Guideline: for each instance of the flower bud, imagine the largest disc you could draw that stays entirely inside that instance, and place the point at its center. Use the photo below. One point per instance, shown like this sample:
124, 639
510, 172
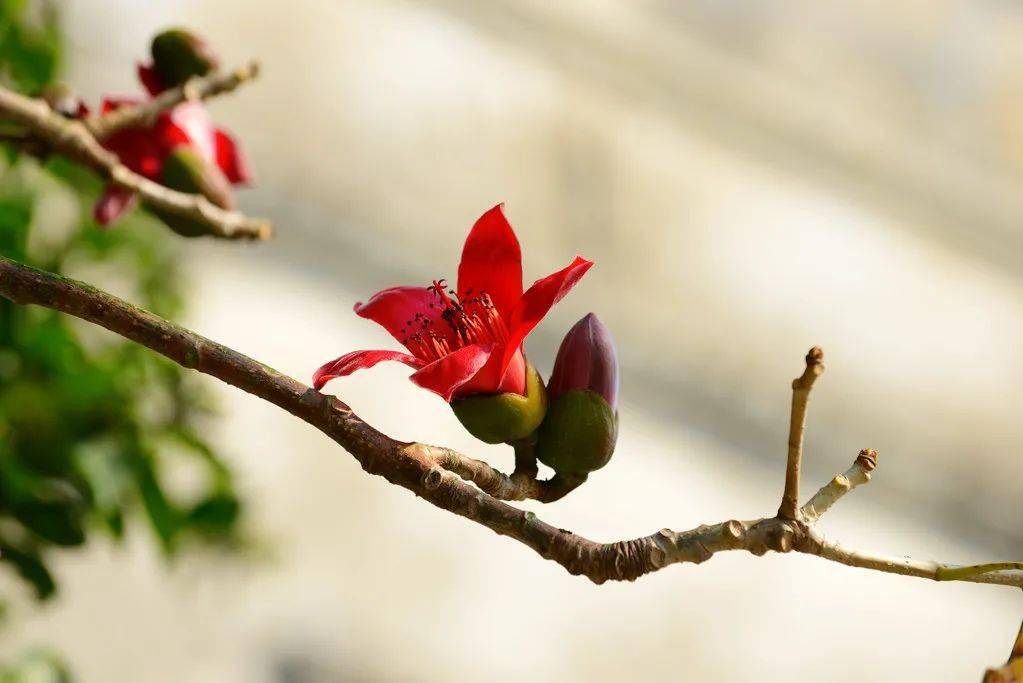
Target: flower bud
579, 433
505, 417
179, 54
184, 170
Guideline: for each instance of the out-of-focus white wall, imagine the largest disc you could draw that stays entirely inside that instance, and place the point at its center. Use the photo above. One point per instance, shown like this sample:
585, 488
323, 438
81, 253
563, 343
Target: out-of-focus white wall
751, 180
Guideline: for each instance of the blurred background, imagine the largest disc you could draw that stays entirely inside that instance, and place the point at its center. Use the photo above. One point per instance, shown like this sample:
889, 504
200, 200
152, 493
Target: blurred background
752, 178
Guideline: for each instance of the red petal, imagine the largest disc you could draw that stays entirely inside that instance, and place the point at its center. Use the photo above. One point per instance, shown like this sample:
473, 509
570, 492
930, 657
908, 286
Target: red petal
359, 360
492, 262
112, 102
491, 379
139, 150
446, 376
395, 309
194, 121
230, 158
112, 204
539, 299
149, 79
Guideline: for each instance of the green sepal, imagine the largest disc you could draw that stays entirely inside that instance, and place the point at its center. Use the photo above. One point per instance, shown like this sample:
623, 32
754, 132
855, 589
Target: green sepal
503, 418
179, 54
578, 435
185, 171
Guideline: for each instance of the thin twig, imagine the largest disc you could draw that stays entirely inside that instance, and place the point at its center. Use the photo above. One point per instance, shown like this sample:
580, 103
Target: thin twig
857, 475
521, 485
216, 83
72, 138
801, 387
423, 469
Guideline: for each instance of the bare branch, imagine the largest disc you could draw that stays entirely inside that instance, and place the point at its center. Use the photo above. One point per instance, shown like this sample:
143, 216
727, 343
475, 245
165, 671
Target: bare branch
216, 83
424, 469
857, 475
72, 138
801, 387
1001, 573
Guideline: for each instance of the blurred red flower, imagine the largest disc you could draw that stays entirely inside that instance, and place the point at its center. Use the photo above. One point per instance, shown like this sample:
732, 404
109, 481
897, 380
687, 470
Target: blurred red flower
144, 150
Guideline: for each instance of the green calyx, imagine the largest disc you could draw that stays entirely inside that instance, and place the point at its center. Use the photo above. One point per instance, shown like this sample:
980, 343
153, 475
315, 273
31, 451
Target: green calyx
504, 418
185, 171
579, 433
179, 54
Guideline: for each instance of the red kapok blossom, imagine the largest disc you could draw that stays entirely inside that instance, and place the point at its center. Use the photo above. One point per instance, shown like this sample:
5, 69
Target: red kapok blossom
466, 341
144, 150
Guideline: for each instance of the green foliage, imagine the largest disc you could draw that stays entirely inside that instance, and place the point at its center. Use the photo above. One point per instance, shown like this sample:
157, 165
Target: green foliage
91, 426
30, 46
89, 422
39, 666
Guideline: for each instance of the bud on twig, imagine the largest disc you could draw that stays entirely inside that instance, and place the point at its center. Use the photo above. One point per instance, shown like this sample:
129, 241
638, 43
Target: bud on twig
179, 54
579, 433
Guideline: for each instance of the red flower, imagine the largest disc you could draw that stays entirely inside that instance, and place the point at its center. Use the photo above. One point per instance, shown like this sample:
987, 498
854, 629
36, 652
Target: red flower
149, 78
144, 150
470, 341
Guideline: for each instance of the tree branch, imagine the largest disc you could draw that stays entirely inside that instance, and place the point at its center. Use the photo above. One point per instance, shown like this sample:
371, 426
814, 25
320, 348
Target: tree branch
423, 469
73, 139
801, 387
216, 83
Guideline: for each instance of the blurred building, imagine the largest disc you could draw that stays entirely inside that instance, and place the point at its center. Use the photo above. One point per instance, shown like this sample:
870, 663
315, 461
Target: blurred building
752, 179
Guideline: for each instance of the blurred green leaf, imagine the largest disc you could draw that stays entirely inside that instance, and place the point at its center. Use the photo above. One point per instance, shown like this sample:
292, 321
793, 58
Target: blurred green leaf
39, 666
216, 515
89, 430
31, 568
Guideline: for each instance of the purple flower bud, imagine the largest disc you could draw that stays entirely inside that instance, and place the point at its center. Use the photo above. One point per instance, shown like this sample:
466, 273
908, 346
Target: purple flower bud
586, 360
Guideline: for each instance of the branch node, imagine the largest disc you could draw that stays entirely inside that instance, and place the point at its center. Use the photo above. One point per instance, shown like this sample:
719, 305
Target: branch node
433, 478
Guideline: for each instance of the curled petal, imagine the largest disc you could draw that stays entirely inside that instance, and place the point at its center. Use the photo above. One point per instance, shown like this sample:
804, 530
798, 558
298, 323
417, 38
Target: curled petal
492, 261
445, 377
112, 204
230, 158
149, 78
402, 310
359, 360
538, 300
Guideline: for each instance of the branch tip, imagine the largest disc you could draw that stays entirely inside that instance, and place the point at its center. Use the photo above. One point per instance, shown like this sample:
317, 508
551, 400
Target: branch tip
867, 459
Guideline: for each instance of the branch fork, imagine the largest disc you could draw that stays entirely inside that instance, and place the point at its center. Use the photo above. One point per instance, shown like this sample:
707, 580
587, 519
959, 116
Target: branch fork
80, 141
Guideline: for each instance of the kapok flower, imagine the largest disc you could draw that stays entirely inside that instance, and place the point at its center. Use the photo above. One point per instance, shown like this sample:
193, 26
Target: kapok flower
465, 341
144, 150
